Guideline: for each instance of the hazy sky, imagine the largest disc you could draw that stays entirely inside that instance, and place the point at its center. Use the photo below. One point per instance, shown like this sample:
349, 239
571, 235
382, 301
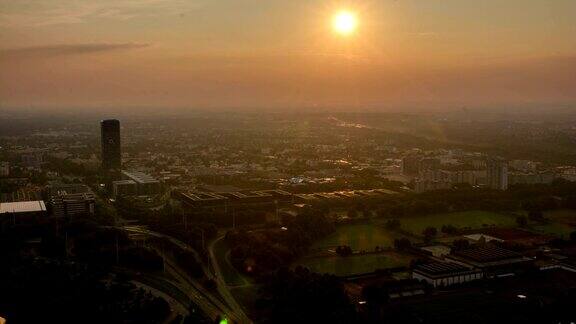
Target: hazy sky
272, 53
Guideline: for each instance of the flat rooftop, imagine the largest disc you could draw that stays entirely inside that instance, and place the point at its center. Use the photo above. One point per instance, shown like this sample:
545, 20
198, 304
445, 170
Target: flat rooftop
220, 188
69, 189
203, 196
488, 254
140, 177
22, 207
441, 268
124, 182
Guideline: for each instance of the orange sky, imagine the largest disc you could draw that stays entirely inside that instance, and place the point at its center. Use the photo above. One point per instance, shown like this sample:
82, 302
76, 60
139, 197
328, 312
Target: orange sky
284, 54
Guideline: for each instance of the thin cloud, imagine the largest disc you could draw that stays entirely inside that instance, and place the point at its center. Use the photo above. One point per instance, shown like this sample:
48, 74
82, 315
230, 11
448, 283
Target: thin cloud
62, 12
66, 50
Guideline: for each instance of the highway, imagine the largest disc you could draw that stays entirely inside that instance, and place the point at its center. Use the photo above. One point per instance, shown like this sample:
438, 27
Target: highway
210, 304
222, 286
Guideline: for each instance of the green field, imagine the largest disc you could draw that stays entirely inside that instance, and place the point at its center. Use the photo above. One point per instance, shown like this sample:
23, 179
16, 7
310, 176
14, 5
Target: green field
564, 216
557, 229
358, 237
343, 266
467, 219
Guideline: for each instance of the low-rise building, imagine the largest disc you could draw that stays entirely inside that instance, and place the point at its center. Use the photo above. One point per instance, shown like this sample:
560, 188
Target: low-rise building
124, 188
22, 212
445, 273
492, 261
71, 200
146, 184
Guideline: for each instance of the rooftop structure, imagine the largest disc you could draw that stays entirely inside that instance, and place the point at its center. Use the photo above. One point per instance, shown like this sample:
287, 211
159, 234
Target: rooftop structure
71, 199
208, 199
22, 212
445, 273
145, 183
493, 261
22, 207
139, 177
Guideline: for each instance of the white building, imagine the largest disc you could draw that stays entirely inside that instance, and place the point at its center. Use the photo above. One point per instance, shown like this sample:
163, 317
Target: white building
22, 212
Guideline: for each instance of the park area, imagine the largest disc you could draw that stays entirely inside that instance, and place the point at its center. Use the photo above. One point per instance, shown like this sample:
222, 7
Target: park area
560, 223
360, 237
461, 220
355, 264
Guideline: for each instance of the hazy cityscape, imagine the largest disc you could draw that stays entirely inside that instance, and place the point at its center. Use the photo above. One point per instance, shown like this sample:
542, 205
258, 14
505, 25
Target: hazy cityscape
180, 162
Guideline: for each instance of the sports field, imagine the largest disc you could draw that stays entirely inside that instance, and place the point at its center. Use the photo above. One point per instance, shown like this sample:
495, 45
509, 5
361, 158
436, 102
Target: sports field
358, 237
461, 220
343, 266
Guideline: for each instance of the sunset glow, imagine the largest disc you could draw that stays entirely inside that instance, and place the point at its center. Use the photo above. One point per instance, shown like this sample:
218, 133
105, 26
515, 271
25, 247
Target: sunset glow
345, 23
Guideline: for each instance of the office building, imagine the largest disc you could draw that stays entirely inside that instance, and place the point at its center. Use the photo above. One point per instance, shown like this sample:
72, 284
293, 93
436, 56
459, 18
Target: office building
4, 169
111, 153
411, 165
429, 164
497, 174
71, 200
123, 188
145, 184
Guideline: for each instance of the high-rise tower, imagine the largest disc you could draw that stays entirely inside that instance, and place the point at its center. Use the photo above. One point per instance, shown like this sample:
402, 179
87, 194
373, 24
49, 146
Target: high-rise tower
111, 154
497, 173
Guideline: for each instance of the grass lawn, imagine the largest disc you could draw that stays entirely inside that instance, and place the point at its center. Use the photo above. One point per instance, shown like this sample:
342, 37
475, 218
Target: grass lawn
343, 266
564, 216
358, 237
467, 219
557, 229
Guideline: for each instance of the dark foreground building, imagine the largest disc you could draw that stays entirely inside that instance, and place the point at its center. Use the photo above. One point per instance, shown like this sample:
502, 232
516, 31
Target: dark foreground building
111, 154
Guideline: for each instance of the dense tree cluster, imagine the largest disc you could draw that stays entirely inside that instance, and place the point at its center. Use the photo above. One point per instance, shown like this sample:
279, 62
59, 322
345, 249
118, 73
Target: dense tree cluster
262, 251
301, 296
42, 290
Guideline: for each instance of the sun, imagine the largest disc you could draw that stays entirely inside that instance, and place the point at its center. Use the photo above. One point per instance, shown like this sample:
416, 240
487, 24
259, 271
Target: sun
345, 23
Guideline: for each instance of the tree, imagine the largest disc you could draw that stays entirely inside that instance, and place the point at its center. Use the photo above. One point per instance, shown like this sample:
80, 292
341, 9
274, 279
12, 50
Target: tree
392, 224
352, 213
536, 215
402, 244
449, 229
344, 250
429, 233
366, 213
522, 221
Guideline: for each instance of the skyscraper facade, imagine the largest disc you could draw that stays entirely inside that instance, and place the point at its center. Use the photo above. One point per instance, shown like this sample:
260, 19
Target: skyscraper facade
497, 174
111, 154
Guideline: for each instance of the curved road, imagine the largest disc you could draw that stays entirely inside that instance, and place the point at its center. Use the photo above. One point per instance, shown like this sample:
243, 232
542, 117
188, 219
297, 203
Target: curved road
233, 311
222, 286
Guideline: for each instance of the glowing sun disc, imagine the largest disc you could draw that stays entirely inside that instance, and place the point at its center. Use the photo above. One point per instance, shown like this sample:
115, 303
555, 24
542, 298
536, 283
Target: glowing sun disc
345, 23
